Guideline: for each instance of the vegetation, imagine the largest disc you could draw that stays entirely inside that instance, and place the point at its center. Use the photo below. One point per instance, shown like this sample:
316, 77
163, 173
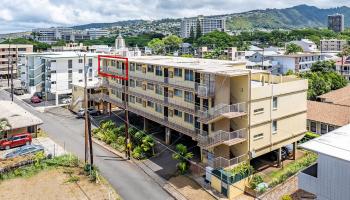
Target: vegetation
286, 197
37, 46
309, 136
243, 169
168, 44
255, 180
293, 48
292, 168
323, 78
4, 125
183, 156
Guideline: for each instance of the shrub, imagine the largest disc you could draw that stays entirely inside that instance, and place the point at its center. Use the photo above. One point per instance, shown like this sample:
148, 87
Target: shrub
121, 140
243, 169
183, 156
255, 181
286, 197
137, 153
67, 160
73, 179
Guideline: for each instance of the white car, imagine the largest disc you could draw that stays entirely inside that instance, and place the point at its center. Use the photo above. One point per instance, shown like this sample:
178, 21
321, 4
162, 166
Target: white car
66, 100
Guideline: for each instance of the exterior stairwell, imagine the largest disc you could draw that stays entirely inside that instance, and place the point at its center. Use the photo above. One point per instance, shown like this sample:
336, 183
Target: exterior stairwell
222, 137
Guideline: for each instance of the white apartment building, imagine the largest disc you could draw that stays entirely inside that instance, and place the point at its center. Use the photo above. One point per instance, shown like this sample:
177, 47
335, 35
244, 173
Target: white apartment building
207, 24
96, 33
307, 45
52, 35
332, 45
295, 62
12, 51
54, 73
329, 178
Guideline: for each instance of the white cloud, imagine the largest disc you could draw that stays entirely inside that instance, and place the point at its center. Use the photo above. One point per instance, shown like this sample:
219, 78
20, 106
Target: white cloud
17, 15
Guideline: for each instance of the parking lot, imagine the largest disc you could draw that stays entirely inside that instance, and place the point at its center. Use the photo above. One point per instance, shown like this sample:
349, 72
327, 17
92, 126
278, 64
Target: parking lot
50, 147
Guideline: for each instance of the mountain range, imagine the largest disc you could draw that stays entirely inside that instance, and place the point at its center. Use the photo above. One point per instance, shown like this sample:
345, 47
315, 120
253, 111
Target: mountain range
301, 16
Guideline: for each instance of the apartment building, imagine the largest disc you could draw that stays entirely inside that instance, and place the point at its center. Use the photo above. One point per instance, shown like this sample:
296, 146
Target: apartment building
53, 73
329, 178
96, 33
52, 35
281, 64
232, 53
336, 22
233, 113
207, 24
12, 51
332, 45
306, 45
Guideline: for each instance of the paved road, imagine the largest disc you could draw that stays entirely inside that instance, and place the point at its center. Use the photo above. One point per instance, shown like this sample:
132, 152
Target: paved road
129, 180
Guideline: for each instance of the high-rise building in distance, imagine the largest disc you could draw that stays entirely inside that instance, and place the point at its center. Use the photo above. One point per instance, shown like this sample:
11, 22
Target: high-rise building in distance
207, 24
336, 22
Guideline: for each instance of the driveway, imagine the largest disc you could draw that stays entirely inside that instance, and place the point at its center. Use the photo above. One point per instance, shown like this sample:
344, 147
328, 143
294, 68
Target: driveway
127, 178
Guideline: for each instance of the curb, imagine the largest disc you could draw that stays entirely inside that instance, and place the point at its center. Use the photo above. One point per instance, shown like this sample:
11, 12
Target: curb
159, 180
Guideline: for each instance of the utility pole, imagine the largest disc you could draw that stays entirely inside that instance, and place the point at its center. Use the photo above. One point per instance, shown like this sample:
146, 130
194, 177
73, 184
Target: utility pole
8, 64
12, 78
85, 111
127, 137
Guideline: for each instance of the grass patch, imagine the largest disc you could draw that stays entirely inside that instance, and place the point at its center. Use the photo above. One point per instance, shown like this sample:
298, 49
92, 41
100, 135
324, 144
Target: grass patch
292, 168
73, 179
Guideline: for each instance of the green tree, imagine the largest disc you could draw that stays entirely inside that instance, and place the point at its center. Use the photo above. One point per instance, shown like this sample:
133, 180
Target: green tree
183, 156
157, 45
172, 43
4, 125
147, 144
323, 66
215, 39
198, 29
293, 48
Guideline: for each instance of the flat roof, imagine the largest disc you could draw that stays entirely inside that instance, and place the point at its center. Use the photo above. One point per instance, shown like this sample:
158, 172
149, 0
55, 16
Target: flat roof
298, 55
63, 54
17, 116
334, 144
15, 45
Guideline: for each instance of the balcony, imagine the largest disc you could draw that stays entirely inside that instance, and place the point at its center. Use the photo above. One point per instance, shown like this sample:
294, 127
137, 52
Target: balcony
222, 111
164, 82
108, 84
105, 97
222, 137
221, 162
204, 90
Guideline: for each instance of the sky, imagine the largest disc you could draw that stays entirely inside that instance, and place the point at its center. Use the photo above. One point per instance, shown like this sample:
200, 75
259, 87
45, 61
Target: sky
24, 15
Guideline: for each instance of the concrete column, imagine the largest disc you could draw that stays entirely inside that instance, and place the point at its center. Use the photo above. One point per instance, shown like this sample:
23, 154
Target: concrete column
294, 150
279, 157
167, 135
56, 99
145, 124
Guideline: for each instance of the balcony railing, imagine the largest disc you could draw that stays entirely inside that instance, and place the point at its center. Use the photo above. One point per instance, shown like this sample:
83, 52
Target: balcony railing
221, 109
204, 90
220, 137
221, 162
108, 84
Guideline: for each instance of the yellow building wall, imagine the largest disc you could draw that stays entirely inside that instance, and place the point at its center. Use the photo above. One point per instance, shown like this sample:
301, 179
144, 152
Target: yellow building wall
239, 89
216, 183
237, 189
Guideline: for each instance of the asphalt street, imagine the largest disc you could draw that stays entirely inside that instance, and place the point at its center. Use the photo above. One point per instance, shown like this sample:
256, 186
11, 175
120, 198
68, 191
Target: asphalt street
127, 178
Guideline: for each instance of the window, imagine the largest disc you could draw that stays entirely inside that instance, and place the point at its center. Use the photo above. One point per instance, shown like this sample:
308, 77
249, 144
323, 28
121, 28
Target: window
258, 136
150, 86
53, 71
188, 96
132, 66
80, 60
274, 103
132, 99
313, 126
70, 64
53, 82
178, 72
138, 67
177, 113
70, 71
158, 108
150, 104
178, 92
188, 75
188, 118
80, 81
150, 68
80, 71
53, 61
274, 126
259, 110
159, 71
138, 83
132, 83
323, 128
159, 90
90, 62
330, 128
138, 100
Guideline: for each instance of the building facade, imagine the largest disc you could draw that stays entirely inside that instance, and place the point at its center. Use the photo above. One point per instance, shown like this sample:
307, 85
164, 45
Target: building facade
11, 51
306, 45
207, 24
54, 73
336, 22
332, 45
233, 114
95, 33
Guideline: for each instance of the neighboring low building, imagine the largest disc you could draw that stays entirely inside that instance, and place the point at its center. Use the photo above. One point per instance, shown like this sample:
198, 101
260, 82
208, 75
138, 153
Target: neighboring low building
329, 178
308, 46
343, 67
54, 73
232, 53
233, 113
20, 120
332, 45
78, 95
281, 64
69, 47
12, 50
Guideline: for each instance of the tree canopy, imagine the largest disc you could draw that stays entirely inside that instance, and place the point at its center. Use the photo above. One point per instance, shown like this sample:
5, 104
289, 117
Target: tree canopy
293, 48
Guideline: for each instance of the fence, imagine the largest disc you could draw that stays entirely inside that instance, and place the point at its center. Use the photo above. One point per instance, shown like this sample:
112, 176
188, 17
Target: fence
220, 136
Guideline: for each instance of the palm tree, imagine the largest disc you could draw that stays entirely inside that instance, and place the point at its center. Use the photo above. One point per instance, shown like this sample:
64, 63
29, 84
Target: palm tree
183, 156
4, 125
147, 144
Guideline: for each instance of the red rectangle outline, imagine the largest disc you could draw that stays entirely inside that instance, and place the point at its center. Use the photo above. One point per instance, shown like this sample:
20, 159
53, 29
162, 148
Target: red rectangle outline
103, 74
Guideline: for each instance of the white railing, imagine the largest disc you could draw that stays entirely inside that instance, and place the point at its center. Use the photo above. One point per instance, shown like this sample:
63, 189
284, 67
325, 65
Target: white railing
221, 109
220, 136
221, 162
203, 90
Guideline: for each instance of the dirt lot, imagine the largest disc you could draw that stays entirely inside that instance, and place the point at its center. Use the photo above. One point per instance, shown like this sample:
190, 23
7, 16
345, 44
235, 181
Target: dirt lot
53, 184
190, 189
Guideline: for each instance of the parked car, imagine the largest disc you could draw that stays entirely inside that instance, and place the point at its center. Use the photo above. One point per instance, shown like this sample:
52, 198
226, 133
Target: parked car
35, 99
39, 95
18, 91
92, 112
66, 100
25, 150
16, 140
274, 154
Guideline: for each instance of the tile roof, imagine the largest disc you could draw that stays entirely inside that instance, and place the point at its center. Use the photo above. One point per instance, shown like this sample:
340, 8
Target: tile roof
337, 97
328, 113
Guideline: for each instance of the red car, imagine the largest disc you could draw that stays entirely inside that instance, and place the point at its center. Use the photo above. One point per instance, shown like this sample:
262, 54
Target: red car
16, 140
35, 99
